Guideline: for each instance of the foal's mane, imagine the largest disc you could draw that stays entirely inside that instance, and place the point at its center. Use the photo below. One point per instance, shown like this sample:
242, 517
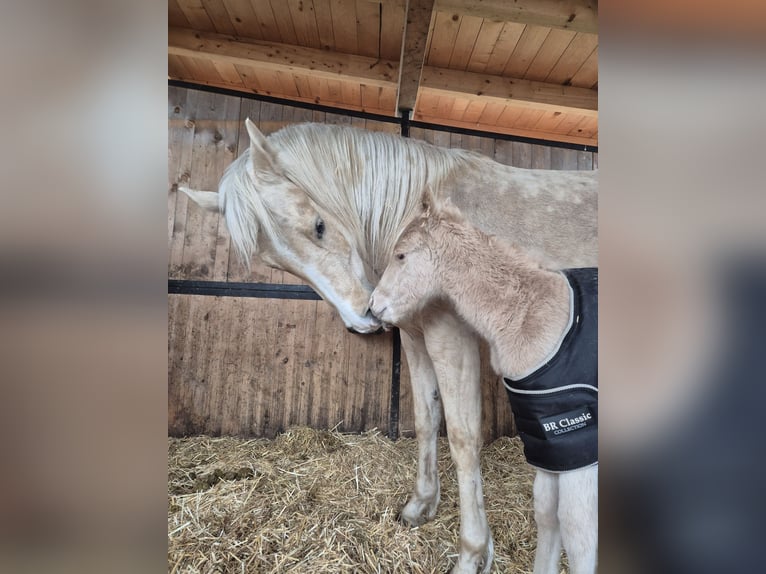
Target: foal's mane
372, 181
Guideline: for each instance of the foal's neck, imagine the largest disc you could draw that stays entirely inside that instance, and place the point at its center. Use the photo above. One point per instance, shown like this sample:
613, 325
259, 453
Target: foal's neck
521, 309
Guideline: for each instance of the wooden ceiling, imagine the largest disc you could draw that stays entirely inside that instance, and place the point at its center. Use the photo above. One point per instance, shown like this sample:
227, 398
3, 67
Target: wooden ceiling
520, 67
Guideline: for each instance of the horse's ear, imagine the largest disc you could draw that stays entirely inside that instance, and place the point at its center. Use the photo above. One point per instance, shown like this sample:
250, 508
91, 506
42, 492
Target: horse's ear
205, 199
260, 152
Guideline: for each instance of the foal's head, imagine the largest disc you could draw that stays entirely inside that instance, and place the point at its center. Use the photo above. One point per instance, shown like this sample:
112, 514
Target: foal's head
413, 277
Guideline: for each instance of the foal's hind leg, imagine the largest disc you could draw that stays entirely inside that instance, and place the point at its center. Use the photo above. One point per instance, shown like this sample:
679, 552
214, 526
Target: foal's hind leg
546, 499
454, 351
422, 505
578, 515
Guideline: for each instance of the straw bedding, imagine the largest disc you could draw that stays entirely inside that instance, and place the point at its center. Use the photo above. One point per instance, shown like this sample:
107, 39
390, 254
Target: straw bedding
313, 501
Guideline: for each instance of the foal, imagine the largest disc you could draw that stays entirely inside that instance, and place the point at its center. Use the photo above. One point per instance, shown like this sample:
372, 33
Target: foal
541, 327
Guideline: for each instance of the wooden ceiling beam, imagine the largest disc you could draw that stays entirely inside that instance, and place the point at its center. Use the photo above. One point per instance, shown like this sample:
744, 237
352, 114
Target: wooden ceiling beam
414, 40
379, 73
282, 57
575, 15
495, 89
513, 131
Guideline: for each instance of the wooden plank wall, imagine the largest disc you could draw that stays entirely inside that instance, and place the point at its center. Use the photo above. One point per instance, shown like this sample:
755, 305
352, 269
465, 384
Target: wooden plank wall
254, 367
244, 366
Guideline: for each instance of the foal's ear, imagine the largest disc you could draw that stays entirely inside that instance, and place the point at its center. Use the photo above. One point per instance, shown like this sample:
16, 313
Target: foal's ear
429, 202
205, 199
261, 155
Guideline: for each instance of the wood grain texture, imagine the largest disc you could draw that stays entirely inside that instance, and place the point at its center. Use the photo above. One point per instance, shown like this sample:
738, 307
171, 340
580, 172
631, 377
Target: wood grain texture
284, 21
242, 19
512, 121
527, 93
368, 28
587, 75
254, 367
572, 59
304, 21
484, 45
344, 25
465, 40
195, 14
229, 74
418, 24
180, 138
526, 49
577, 15
334, 52
503, 48
392, 21
555, 44
446, 27
176, 16
281, 57
215, 120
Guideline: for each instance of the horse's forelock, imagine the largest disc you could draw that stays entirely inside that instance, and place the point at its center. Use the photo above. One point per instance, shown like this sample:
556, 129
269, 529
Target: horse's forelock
372, 181
244, 209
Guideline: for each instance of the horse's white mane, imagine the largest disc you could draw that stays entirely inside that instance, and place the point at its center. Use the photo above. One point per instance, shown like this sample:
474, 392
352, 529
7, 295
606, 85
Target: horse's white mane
372, 181
244, 209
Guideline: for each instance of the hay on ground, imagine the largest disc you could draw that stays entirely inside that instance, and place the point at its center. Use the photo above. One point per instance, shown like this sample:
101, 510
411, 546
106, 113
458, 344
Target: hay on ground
314, 501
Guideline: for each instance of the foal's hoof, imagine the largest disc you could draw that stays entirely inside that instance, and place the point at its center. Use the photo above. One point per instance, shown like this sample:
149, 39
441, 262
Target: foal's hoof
475, 562
480, 568
418, 511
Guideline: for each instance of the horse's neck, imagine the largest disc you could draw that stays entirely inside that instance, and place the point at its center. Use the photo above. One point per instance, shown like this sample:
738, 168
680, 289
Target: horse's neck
551, 214
521, 309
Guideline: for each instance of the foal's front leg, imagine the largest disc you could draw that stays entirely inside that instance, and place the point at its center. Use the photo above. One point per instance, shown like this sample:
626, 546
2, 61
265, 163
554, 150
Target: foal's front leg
424, 501
454, 351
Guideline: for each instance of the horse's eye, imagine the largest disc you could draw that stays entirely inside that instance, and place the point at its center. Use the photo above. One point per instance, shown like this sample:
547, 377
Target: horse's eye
319, 228
400, 256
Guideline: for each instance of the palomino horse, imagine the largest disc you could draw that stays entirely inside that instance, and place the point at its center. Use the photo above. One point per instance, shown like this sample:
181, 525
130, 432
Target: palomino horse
541, 332
327, 203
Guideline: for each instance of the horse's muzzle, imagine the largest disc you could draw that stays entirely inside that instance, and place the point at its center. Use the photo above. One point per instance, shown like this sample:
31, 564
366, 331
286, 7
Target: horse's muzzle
355, 332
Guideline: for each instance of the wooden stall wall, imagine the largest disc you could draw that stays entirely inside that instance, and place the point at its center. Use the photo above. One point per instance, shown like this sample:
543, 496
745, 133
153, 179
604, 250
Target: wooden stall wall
253, 367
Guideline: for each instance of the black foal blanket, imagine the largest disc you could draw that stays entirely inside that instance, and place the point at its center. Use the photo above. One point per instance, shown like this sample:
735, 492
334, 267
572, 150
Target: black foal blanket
556, 407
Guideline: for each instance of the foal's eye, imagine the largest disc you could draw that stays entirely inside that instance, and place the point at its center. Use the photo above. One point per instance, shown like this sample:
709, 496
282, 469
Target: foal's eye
400, 256
319, 227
